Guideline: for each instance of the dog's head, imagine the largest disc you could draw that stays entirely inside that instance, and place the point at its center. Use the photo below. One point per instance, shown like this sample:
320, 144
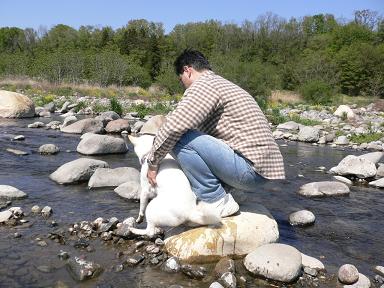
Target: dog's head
142, 144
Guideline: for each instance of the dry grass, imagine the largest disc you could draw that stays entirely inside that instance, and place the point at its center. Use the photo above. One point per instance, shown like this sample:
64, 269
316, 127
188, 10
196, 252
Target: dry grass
285, 97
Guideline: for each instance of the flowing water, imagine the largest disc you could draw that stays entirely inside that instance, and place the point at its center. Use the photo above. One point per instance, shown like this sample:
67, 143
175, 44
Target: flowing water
347, 229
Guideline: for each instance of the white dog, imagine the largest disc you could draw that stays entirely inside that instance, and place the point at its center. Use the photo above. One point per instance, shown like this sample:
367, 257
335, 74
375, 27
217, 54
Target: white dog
174, 202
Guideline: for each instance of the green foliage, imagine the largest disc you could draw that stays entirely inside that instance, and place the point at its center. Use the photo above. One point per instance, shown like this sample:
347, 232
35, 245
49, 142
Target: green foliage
80, 105
143, 110
275, 116
44, 99
115, 106
366, 138
63, 91
316, 92
98, 108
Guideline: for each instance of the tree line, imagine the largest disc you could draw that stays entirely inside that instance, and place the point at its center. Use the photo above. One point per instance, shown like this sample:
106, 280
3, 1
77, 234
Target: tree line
313, 52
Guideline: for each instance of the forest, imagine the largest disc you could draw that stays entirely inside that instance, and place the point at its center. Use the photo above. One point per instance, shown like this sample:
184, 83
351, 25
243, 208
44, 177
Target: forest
317, 55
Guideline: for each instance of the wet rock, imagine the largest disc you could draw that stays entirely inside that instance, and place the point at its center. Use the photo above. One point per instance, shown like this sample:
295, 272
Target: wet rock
119, 268
194, 272
82, 270
377, 183
49, 149
106, 236
310, 271
374, 157
129, 190
159, 242
5, 216
152, 249
324, 188
16, 212
107, 116
137, 126
216, 285
380, 171
353, 165
278, 262
343, 179
101, 144
64, 108
68, 121
135, 259
84, 126
42, 243
4, 204
16, 234
117, 126
50, 107
225, 264
17, 152
348, 274
379, 270
63, 255
10, 193
44, 268
54, 125
108, 226
238, 235
302, 218
228, 280
36, 125
81, 244
152, 125
106, 177
311, 262
308, 134
35, 209
77, 170
46, 211
172, 265
363, 282
130, 221
19, 138
15, 105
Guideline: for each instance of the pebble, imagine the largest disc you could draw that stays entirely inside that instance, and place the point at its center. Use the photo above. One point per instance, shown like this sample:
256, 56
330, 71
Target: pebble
46, 211
135, 259
379, 270
17, 235
119, 268
216, 285
42, 243
17, 152
63, 255
172, 265
194, 272
152, 249
310, 271
301, 218
228, 280
36, 209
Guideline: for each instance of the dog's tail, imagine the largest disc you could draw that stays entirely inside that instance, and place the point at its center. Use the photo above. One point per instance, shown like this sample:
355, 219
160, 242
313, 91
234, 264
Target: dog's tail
202, 215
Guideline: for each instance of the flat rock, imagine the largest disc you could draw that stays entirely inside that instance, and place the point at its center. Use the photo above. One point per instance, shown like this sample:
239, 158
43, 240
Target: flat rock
106, 177
17, 152
275, 261
5, 216
343, 179
68, 121
238, 235
95, 144
374, 157
77, 170
15, 105
311, 262
9, 193
82, 270
288, 126
84, 126
344, 110
377, 183
324, 188
354, 165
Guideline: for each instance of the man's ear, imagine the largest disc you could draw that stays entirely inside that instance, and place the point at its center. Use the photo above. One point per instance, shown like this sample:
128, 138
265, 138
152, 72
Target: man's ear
133, 139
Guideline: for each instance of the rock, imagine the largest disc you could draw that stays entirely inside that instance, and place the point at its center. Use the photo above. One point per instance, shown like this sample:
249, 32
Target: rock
123, 231
82, 270
308, 261
16, 212
309, 134
5, 216
135, 259
288, 126
129, 190
228, 280
324, 188
36, 125
107, 116
44, 113
54, 125
46, 211
49, 149
68, 121
172, 265
35, 209
17, 152
63, 255
77, 170
342, 140
15, 105
84, 126
225, 264
348, 274
117, 126
380, 171
302, 218
275, 261
343, 179
353, 165
363, 282
101, 144
194, 272
379, 270
153, 125
374, 157
64, 108
19, 138
106, 177
137, 126
310, 271
9, 193
238, 235
277, 134
216, 285
377, 183
50, 107
344, 111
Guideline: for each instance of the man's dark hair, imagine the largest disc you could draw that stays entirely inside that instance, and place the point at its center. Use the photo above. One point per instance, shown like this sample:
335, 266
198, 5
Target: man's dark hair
192, 58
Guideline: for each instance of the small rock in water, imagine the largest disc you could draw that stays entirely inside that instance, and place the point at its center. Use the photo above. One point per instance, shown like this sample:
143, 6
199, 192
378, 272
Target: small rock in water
228, 280
343, 179
363, 282
135, 259
310, 271
194, 272
63, 255
225, 264
36, 209
172, 265
302, 218
19, 138
216, 285
42, 243
17, 235
152, 249
44, 268
49, 149
46, 211
348, 274
17, 152
119, 268
5, 216
159, 242
82, 269
379, 270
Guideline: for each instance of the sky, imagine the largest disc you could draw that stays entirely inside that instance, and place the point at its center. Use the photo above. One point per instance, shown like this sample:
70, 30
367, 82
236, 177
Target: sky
117, 13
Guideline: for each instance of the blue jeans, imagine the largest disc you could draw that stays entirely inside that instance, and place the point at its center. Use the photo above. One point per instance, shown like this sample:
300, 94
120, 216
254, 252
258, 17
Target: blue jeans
209, 164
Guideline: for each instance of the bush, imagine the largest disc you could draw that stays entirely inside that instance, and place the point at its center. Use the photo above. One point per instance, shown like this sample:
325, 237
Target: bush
316, 92
115, 106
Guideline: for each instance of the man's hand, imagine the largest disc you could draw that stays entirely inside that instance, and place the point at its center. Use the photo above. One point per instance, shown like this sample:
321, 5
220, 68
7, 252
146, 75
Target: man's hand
151, 175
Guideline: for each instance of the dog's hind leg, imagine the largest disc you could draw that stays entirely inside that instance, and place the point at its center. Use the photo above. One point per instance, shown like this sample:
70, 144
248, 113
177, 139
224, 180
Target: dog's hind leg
145, 195
150, 231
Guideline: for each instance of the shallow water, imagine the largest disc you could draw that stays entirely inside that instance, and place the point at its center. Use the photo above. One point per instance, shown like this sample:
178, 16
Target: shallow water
347, 229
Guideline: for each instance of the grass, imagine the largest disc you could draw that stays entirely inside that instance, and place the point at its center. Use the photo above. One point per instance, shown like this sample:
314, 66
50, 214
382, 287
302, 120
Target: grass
275, 117
144, 110
366, 138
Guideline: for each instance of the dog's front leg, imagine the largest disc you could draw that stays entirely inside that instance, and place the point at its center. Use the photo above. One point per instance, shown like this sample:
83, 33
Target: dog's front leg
144, 198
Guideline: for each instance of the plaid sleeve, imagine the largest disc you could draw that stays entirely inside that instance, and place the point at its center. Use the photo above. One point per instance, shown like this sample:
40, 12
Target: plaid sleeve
198, 102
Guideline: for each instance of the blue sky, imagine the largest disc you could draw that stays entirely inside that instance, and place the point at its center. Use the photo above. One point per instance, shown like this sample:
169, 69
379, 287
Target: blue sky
116, 13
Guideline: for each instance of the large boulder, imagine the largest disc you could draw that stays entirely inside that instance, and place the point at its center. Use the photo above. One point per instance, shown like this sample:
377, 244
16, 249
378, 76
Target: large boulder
153, 125
107, 116
84, 126
275, 261
15, 105
308, 134
9, 193
291, 126
374, 157
117, 126
95, 144
237, 236
324, 188
77, 170
105, 177
354, 165
129, 190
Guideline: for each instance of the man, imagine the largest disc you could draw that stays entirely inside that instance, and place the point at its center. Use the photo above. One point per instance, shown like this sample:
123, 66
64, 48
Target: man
218, 134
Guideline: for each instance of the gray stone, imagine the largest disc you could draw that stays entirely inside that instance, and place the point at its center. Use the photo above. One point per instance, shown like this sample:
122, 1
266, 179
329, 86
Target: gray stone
379, 270
64, 108
228, 280
49, 149
374, 157
137, 126
77, 170
342, 140
278, 262
310, 271
82, 270
54, 125
380, 171
348, 274
309, 134
123, 231
35, 209
216, 285
302, 218
172, 265
46, 211
107, 116
36, 125
311, 262
344, 111
194, 272
353, 165
343, 179
224, 265
9, 193
101, 144
68, 121
324, 188
5, 216
15, 105
135, 259
288, 126
363, 282
117, 126
129, 190
84, 126
50, 107
19, 138
106, 177
17, 152
377, 183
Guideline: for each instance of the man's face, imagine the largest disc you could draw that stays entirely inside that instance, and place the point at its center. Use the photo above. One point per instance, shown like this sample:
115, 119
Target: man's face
185, 77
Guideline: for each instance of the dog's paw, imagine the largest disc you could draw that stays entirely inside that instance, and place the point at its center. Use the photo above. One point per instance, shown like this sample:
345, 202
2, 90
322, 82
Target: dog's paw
140, 219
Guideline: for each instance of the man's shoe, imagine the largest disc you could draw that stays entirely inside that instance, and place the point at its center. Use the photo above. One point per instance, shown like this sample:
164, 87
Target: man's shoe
226, 206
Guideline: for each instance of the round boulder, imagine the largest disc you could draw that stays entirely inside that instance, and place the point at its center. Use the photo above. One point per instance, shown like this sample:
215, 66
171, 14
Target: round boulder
348, 274
107, 116
354, 165
49, 149
106, 177
324, 188
15, 105
84, 126
9, 193
238, 235
301, 218
95, 144
77, 170
275, 261
117, 126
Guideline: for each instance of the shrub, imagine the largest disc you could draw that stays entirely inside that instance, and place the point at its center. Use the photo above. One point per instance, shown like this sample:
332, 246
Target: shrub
316, 92
63, 91
115, 106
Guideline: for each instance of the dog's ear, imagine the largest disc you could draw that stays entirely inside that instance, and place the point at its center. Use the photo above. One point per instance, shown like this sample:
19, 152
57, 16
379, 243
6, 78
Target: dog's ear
133, 139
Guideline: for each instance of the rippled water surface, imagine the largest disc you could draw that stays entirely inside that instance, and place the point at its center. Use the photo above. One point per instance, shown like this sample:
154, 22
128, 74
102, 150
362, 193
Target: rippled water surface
347, 229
